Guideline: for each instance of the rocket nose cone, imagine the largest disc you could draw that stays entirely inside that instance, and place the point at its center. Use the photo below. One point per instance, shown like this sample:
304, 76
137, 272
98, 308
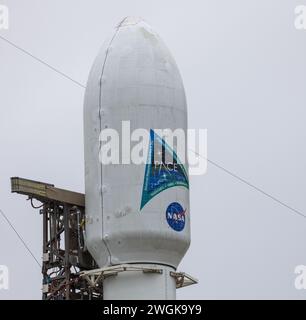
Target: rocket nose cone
128, 21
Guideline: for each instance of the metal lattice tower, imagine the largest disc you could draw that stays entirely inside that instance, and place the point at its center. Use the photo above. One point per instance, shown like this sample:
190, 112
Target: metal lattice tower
65, 256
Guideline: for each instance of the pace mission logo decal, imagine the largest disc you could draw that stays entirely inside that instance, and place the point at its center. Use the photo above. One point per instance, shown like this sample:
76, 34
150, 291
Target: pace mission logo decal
176, 216
161, 174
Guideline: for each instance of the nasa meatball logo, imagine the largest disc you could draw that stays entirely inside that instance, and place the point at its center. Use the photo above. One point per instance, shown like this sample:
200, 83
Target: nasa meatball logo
176, 216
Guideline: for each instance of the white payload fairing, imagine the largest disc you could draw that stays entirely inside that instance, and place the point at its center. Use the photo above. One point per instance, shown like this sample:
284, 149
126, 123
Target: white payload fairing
136, 214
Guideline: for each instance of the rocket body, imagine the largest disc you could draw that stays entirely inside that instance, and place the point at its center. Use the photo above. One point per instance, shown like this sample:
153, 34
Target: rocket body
136, 213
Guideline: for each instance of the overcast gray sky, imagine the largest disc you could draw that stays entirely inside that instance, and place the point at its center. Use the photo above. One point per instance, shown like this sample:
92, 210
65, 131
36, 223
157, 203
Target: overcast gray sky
244, 70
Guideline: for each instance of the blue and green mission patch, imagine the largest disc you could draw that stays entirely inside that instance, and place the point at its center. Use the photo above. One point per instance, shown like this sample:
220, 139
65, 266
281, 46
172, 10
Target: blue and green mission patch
159, 173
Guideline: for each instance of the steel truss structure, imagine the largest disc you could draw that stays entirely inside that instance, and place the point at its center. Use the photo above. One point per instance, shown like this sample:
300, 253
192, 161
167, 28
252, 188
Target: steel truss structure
65, 255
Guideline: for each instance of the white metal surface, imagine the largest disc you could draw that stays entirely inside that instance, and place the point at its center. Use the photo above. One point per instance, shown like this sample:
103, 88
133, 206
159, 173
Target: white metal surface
134, 77
140, 285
